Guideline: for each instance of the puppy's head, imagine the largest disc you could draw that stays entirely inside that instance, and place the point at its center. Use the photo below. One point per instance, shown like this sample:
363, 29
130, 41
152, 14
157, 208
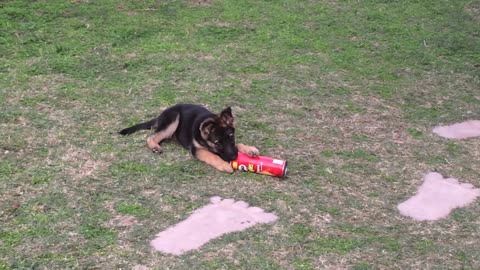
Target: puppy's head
218, 135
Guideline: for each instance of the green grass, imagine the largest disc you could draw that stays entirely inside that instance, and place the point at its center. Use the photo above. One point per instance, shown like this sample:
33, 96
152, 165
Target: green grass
347, 91
135, 209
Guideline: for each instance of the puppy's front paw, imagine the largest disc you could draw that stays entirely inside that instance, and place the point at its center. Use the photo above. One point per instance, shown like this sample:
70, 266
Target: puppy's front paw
247, 149
252, 151
157, 149
225, 167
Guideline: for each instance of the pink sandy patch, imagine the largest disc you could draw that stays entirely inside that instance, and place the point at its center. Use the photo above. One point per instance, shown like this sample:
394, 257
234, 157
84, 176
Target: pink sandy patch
437, 197
462, 130
209, 222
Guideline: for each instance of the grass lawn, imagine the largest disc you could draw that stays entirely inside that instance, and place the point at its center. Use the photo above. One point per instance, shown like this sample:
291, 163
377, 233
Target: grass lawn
347, 91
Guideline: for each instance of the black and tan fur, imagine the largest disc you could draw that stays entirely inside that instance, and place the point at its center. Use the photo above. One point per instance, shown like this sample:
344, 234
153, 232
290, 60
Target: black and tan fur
209, 137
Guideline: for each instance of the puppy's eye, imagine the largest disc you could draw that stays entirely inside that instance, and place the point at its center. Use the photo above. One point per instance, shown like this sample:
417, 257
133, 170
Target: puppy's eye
216, 142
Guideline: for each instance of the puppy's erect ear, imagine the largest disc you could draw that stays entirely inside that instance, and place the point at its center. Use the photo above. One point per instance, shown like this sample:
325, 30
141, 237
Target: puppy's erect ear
226, 117
206, 127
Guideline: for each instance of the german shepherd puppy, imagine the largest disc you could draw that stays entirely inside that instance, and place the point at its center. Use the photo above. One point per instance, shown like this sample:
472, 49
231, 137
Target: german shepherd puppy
209, 137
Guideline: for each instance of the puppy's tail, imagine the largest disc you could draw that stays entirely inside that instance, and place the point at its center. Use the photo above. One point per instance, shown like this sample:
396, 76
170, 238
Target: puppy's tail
130, 130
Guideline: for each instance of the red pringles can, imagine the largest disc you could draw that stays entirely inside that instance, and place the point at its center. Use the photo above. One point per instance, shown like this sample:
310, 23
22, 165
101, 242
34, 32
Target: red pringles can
260, 164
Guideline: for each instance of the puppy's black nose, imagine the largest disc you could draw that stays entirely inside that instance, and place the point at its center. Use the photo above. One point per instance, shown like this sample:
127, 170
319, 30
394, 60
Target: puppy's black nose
230, 156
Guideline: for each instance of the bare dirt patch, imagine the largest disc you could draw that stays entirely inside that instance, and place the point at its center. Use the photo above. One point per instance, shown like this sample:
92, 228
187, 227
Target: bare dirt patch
473, 8
205, 3
79, 163
123, 221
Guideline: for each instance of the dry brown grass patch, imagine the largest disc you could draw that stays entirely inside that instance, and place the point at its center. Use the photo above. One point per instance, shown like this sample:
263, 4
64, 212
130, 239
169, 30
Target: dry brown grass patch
79, 163
473, 8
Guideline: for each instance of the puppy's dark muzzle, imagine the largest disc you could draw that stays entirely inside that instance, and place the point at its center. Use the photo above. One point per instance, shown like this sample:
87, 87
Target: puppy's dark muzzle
230, 156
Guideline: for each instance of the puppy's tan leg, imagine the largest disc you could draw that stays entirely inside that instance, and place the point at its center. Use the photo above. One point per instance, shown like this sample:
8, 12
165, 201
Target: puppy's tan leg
213, 160
154, 140
247, 149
